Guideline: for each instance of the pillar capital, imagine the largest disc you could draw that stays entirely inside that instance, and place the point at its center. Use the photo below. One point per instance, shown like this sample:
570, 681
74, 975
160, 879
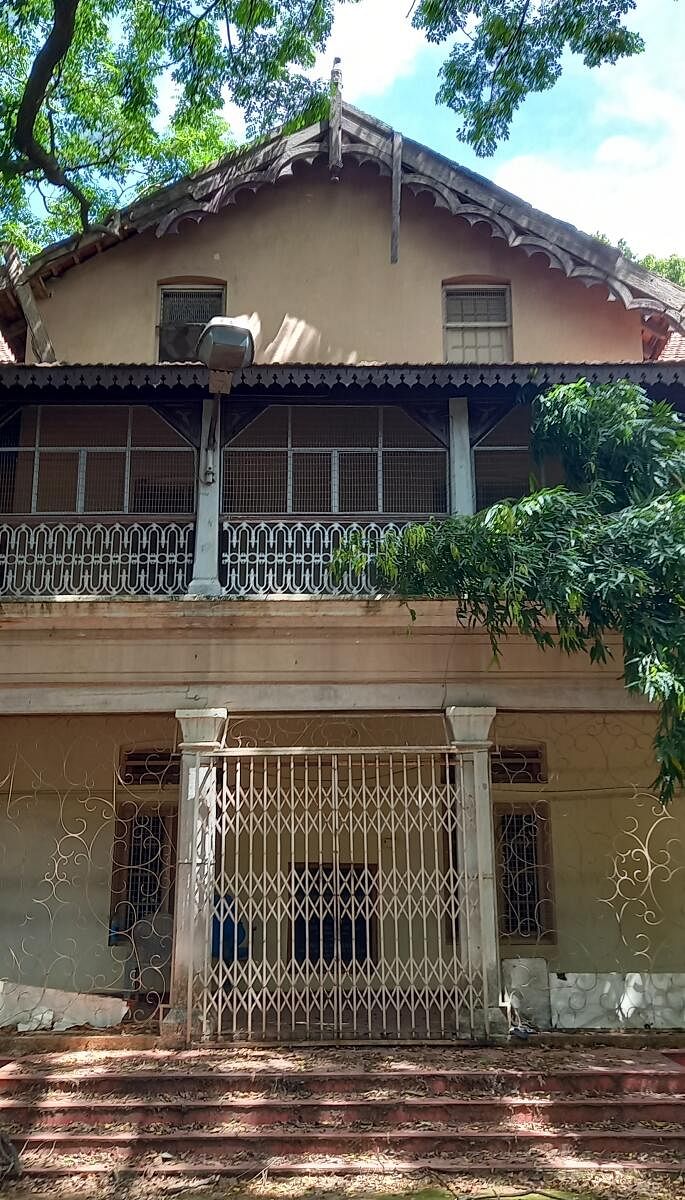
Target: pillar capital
470, 727
201, 728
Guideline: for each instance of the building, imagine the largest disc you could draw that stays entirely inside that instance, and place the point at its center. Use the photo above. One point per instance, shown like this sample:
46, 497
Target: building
236, 791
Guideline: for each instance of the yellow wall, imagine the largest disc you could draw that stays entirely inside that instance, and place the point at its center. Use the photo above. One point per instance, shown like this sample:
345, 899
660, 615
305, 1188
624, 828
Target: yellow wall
611, 911
309, 264
617, 856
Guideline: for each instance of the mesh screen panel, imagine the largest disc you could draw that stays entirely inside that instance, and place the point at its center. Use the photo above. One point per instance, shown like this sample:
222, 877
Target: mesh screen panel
501, 475
104, 487
400, 430
16, 480
182, 306
148, 428
414, 483
255, 481
84, 425
311, 483
512, 430
162, 482
476, 306
268, 429
358, 483
57, 482
333, 427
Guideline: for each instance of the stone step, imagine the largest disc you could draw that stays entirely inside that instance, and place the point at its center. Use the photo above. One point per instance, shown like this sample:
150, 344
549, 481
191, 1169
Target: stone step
38, 1115
169, 1084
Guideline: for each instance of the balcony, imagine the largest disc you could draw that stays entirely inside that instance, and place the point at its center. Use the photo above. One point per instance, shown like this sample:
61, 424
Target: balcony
120, 501
40, 559
262, 558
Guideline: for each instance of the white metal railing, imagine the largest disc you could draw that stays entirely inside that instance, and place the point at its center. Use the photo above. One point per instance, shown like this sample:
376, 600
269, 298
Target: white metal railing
260, 558
95, 559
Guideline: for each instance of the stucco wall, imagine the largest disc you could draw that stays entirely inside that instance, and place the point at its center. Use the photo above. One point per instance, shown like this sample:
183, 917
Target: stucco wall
617, 856
611, 913
308, 263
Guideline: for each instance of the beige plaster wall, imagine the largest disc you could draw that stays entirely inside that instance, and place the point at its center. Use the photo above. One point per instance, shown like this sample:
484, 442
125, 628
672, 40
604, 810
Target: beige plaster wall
617, 856
610, 912
308, 263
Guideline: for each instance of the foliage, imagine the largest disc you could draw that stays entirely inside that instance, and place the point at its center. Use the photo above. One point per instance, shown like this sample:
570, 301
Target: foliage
672, 267
81, 126
569, 568
505, 49
85, 85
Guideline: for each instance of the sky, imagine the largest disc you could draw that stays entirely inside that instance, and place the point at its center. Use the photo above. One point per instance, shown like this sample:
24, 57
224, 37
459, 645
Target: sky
605, 149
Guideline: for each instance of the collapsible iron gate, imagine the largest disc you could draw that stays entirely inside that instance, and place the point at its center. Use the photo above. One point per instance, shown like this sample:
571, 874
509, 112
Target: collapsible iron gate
341, 906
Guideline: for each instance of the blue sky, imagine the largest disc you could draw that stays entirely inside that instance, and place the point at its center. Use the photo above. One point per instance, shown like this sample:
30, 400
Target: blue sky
605, 149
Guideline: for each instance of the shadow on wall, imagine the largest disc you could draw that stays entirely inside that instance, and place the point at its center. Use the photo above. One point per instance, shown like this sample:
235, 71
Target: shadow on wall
296, 341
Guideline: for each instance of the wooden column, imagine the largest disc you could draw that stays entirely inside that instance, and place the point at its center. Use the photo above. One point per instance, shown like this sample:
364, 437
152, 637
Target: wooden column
461, 471
479, 934
205, 580
201, 731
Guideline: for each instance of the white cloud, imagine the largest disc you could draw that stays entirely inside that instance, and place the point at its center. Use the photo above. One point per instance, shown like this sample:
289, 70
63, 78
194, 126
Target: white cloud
377, 44
630, 182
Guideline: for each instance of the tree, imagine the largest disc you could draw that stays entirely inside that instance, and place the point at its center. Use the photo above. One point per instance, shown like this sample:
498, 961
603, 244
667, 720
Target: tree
570, 566
671, 267
505, 49
80, 125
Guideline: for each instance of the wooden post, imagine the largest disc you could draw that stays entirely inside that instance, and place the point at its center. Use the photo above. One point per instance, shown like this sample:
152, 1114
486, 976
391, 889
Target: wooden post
461, 472
200, 730
335, 161
42, 346
396, 196
469, 733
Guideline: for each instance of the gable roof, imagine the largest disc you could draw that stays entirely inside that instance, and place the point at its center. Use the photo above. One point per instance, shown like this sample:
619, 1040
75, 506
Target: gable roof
6, 355
365, 139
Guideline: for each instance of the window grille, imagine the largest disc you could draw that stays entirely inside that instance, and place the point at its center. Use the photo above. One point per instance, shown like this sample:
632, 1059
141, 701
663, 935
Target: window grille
523, 874
317, 459
158, 768
518, 764
334, 919
96, 459
184, 312
146, 865
477, 324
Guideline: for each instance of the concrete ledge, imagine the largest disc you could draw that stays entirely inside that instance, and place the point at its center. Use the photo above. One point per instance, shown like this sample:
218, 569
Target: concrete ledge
29, 1009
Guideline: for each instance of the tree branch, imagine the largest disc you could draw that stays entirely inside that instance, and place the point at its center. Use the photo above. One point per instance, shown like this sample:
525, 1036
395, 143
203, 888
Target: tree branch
47, 61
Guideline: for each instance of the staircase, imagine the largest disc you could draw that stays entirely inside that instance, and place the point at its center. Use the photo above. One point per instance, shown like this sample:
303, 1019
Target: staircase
238, 1112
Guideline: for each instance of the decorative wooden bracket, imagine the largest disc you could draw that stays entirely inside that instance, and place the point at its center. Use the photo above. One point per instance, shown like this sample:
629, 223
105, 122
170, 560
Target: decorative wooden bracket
335, 161
396, 196
42, 346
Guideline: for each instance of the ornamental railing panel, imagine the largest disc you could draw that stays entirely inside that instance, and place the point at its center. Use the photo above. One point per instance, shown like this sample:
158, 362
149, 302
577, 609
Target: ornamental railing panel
95, 558
261, 558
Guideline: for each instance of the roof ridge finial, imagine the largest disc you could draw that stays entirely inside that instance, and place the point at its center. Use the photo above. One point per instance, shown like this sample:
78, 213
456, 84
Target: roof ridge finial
336, 75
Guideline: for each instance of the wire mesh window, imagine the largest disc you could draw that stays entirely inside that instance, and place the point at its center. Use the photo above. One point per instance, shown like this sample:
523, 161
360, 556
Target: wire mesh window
477, 324
523, 871
503, 464
96, 459
321, 459
334, 909
183, 314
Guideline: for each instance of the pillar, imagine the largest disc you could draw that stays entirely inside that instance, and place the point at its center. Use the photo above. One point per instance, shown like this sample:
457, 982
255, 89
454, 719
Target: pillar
469, 730
461, 473
201, 731
205, 580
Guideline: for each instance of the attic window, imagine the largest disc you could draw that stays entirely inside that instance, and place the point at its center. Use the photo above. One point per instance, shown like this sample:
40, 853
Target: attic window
477, 324
183, 314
